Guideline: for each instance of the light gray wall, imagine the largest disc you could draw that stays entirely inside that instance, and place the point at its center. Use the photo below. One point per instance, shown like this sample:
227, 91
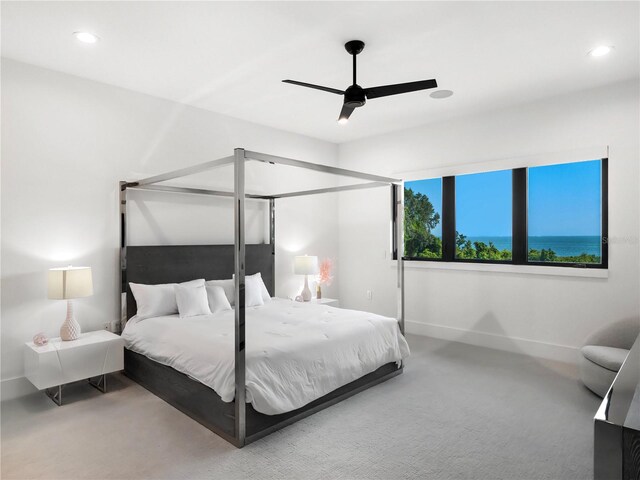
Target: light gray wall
536, 314
66, 142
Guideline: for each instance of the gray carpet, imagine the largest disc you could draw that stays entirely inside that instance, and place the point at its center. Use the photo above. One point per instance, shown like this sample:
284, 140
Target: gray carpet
458, 411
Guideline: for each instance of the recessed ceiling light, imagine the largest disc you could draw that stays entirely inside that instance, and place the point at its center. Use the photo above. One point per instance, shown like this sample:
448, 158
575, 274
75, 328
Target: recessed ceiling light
600, 51
441, 94
86, 37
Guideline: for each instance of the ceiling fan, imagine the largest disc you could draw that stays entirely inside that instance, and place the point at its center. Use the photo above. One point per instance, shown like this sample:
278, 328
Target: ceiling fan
355, 96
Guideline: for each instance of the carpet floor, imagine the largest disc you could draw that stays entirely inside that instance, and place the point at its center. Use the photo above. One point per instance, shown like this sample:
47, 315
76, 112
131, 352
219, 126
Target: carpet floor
457, 411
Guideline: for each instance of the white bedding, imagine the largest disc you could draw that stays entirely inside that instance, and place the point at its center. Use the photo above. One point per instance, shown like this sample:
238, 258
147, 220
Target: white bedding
296, 352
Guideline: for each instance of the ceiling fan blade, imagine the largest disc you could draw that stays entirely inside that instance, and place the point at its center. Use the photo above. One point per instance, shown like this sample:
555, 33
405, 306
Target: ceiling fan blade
386, 90
317, 87
345, 113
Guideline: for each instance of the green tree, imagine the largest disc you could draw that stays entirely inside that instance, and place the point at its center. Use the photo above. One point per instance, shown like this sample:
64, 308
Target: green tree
468, 251
419, 220
548, 255
494, 253
482, 250
461, 240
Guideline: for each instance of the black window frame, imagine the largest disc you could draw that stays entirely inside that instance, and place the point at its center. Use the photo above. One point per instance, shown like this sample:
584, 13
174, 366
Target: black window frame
519, 224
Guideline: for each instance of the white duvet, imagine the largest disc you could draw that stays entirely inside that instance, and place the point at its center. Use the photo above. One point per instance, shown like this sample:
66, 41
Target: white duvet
295, 352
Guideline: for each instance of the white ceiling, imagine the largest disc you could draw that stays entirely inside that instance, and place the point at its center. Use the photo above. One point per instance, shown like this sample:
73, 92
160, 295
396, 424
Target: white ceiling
230, 57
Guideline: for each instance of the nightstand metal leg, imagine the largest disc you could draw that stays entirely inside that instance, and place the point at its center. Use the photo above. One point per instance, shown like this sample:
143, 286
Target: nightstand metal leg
55, 394
99, 382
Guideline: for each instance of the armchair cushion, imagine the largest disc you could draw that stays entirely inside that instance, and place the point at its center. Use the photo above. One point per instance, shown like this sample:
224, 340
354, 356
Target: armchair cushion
607, 357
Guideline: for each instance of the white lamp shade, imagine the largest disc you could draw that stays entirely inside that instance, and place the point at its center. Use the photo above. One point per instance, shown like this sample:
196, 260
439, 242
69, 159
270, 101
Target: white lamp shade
70, 282
305, 265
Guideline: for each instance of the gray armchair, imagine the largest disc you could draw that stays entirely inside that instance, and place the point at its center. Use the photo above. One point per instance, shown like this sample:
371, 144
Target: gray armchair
604, 352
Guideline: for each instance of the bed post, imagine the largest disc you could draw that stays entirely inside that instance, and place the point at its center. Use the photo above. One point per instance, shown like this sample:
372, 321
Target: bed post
398, 213
272, 239
123, 254
239, 267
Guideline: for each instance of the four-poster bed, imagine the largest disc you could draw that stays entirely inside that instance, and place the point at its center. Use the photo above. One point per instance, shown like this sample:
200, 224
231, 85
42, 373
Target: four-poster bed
236, 421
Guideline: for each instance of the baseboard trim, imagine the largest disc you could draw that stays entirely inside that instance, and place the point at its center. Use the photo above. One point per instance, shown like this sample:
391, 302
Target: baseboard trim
533, 348
15, 387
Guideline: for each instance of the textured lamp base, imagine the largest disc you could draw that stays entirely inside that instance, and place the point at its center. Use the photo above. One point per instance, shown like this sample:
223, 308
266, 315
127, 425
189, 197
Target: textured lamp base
306, 291
70, 329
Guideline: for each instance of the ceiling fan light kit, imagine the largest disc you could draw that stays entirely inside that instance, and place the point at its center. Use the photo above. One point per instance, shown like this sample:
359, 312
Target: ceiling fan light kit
355, 96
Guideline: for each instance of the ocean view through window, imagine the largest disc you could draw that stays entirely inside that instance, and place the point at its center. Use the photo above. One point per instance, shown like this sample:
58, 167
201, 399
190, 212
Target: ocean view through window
551, 215
565, 213
483, 216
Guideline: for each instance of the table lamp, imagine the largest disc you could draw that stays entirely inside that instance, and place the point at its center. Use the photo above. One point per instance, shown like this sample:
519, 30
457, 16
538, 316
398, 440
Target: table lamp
67, 283
306, 265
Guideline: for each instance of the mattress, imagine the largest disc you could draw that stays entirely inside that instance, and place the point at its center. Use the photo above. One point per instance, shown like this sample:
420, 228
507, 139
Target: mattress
295, 352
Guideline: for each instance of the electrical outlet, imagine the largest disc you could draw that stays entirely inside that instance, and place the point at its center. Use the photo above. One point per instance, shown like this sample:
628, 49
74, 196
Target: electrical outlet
113, 327
369, 295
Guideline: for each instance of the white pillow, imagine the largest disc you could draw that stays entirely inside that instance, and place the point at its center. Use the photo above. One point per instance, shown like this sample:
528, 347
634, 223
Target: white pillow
252, 292
218, 300
251, 299
228, 286
263, 288
192, 300
157, 300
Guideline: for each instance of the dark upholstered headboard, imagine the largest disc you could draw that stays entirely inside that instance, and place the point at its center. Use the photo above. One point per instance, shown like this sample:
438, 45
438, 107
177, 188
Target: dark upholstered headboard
180, 263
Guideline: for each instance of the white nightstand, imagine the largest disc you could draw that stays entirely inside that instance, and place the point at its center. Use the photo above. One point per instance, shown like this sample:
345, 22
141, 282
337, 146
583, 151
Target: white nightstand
91, 357
331, 302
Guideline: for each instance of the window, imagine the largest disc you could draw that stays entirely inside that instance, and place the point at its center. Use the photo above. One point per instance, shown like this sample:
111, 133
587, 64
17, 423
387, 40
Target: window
422, 226
483, 216
564, 213
547, 215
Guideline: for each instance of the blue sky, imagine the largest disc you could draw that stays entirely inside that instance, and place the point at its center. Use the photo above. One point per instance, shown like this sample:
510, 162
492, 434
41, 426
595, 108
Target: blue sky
483, 204
563, 200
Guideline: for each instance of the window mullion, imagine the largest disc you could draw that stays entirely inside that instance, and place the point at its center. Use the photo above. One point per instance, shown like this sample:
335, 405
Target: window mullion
519, 216
448, 219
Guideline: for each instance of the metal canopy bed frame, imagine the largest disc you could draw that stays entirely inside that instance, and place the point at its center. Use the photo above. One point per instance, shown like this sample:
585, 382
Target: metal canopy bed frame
237, 421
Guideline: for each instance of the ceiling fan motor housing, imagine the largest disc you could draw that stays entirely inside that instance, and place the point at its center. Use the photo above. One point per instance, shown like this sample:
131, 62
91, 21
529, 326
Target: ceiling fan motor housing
354, 96
354, 47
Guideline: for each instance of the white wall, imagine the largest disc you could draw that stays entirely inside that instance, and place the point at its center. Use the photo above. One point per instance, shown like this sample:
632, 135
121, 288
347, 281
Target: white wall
535, 312
66, 142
